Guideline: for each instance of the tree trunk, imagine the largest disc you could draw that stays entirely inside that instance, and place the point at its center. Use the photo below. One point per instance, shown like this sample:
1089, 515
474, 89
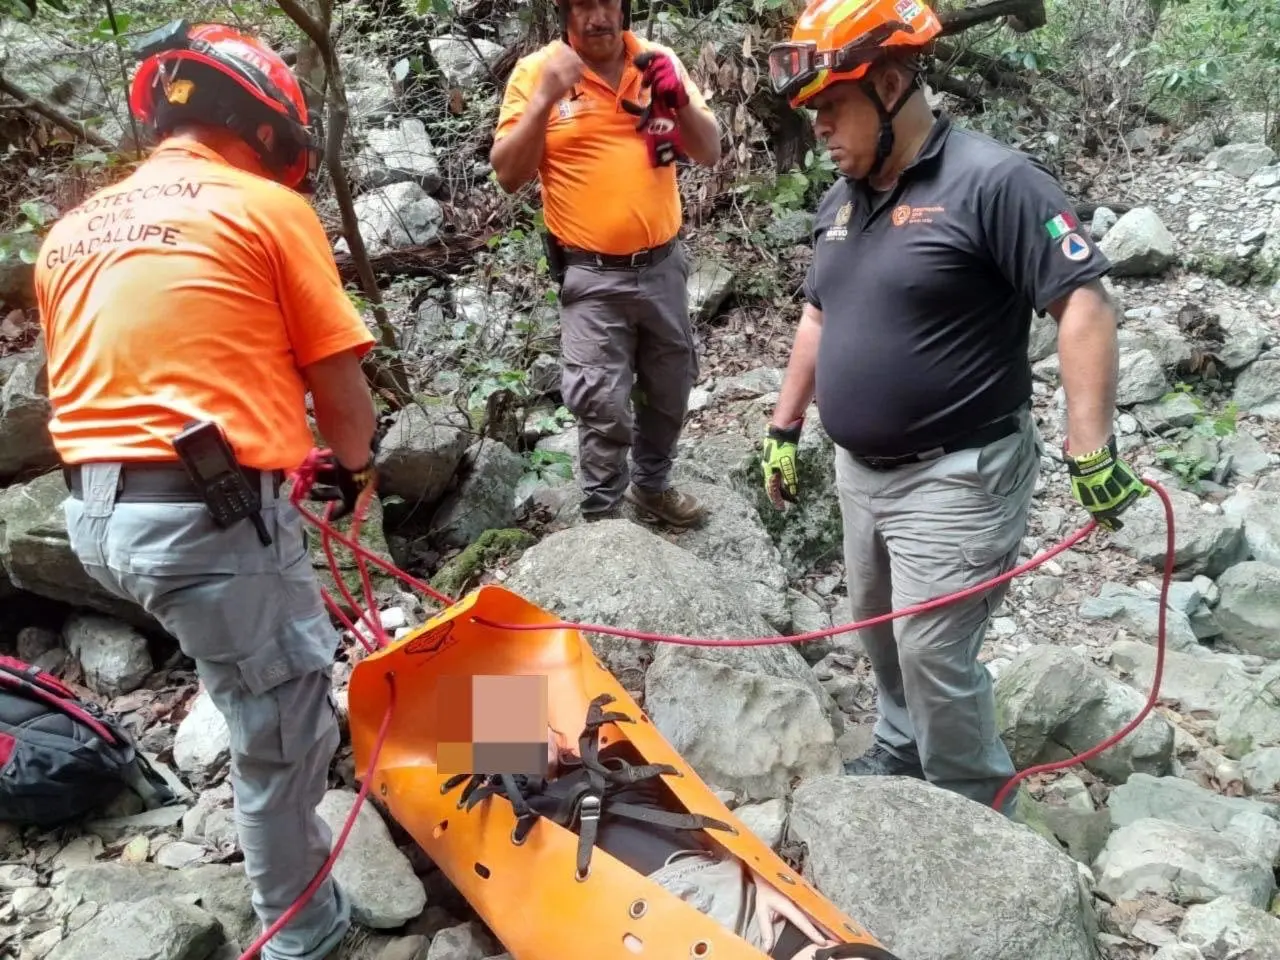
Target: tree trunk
384, 367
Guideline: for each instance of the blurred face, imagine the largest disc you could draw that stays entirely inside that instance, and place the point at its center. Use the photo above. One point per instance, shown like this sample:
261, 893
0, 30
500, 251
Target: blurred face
847, 121
595, 28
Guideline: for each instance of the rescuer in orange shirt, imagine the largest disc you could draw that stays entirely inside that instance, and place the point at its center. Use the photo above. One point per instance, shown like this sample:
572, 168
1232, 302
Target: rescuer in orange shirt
612, 210
202, 290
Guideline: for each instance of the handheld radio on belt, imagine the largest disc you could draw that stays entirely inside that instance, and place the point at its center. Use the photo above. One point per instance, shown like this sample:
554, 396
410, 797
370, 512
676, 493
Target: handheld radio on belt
211, 463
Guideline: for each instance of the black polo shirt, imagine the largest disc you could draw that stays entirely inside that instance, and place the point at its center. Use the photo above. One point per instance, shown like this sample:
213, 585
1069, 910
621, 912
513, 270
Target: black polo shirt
927, 291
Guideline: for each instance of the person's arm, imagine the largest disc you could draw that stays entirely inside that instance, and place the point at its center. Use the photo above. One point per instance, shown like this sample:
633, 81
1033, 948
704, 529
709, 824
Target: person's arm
343, 407
699, 129
326, 332
517, 151
798, 381
1034, 239
520, 136
700, 133
1089, 358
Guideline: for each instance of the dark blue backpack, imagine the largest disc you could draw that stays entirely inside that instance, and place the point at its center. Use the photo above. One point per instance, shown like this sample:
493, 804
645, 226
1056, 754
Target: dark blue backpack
62, 758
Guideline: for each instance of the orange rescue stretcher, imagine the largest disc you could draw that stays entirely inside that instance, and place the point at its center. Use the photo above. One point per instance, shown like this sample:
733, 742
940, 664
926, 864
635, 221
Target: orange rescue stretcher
528, 890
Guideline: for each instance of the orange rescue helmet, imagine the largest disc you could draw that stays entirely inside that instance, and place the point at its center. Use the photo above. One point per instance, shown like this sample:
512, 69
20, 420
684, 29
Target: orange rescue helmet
836, 40
213, 73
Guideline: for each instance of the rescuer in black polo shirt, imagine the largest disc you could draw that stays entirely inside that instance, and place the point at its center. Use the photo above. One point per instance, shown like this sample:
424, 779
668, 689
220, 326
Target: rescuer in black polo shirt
930, 254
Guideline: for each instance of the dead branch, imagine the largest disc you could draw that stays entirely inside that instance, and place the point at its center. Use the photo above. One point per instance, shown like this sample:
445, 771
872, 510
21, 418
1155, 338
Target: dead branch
987, 67
969, 92
391, 377
1025, 15
1085, 210
1008, 77
434, 259
52, 114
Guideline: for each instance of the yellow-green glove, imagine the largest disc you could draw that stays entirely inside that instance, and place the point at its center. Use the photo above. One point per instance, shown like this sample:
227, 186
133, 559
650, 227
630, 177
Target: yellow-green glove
778, 463
1104, 484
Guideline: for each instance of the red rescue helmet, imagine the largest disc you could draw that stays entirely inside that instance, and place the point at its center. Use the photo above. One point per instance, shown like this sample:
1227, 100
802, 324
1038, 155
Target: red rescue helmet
215, 74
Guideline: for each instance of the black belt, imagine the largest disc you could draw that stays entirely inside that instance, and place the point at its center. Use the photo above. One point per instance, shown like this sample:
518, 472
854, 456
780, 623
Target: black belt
993, 431
159, 482
619, 261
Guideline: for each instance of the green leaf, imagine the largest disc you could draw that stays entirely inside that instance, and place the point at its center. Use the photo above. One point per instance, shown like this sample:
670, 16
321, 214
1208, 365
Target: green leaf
31, 210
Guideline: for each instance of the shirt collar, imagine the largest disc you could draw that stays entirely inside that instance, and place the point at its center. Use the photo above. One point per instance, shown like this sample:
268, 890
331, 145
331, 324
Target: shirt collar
933, 144
175, 145
928, 153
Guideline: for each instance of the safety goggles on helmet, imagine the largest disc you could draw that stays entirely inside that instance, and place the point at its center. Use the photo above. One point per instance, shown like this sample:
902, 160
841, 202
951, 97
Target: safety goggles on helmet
794, 65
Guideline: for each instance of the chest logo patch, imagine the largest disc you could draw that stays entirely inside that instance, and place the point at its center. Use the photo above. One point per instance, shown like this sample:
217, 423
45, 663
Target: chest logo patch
840, 225
904, 214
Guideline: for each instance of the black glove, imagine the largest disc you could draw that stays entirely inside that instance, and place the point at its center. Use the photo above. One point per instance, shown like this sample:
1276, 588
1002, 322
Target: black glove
335, 482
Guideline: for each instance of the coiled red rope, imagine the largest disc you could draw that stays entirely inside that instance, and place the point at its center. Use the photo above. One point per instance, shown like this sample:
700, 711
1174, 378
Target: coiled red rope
304, 479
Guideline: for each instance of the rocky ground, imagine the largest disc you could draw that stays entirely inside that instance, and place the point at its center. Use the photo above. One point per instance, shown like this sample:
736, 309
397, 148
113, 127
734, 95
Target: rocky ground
1165, 847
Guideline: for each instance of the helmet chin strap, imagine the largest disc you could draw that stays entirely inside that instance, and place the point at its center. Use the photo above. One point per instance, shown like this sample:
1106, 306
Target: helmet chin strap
884, 141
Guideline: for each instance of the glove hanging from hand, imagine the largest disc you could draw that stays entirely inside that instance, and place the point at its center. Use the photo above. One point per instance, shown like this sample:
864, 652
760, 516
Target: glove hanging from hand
1104, 484
657, 120
778, 463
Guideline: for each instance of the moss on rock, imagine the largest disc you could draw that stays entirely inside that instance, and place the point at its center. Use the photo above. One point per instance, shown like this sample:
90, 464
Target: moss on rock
491, 546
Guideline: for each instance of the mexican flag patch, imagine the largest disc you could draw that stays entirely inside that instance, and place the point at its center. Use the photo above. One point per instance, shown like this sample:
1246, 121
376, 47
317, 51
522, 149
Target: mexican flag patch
1061, 225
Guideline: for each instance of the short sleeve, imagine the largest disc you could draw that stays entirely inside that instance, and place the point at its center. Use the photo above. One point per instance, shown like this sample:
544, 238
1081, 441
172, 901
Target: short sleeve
515, 98
833, 208
810, 286
1033, 235
319, 316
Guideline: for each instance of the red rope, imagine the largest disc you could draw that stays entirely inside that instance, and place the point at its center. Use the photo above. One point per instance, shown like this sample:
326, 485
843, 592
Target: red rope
304, 479
1165, 581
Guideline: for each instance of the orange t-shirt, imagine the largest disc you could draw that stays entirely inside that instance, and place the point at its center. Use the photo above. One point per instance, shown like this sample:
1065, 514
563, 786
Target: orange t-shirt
599, 189
192, 290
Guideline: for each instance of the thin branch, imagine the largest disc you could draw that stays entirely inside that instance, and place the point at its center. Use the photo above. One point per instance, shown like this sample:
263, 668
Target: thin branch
393, 380
124, 76
52, 114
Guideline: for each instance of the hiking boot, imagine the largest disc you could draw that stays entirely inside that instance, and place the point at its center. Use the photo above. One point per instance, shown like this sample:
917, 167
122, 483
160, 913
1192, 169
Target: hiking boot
670, 506
879, 762
609, 513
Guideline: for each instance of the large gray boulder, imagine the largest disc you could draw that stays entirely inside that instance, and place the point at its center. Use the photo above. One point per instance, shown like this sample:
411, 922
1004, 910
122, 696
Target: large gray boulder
746, 718
935, 876
36, 555
1053, 703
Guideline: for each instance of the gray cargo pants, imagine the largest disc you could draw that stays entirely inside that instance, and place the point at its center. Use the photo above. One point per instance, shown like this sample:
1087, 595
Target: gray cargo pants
252, 619
917, 532
626, 337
